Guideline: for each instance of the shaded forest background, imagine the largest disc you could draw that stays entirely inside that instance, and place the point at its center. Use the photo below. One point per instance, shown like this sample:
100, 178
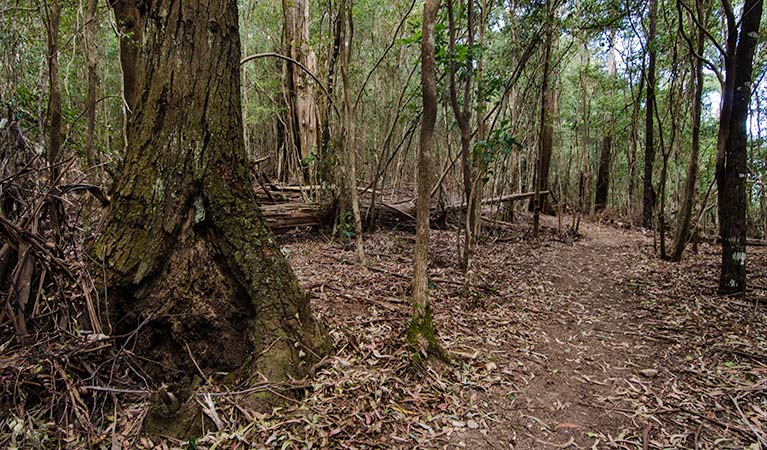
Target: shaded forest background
596, 76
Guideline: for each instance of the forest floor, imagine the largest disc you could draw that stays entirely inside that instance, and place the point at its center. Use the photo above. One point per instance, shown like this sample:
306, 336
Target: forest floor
590, 342
563, 342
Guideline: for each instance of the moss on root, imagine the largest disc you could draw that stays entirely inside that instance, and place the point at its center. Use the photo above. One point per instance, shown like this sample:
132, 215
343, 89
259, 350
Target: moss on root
422, 338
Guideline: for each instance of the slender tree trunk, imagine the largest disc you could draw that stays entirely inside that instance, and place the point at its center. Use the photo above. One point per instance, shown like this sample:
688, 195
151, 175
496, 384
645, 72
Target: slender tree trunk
463, 117
185, 211
584, 181
603, 172
731, 171
421, 332
52, 21
350, 194
648, 195
632, 156
546, 128
90, 110
328, 161
682, 235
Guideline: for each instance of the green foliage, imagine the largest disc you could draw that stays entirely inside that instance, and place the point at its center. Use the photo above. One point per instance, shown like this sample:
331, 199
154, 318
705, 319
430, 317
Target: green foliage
499, 145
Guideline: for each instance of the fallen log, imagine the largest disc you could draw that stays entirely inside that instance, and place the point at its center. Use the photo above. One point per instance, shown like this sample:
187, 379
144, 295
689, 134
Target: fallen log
282, 217
502, 199
405, 211
284, 209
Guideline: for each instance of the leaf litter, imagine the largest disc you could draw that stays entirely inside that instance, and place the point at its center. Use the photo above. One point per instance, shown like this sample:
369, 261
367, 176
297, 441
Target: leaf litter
561, 343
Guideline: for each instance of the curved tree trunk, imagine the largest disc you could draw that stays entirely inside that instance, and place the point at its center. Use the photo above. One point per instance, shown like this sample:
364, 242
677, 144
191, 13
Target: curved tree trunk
684, 219
191, 265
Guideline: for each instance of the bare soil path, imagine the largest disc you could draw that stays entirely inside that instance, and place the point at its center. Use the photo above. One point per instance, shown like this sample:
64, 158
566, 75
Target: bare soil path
586, 344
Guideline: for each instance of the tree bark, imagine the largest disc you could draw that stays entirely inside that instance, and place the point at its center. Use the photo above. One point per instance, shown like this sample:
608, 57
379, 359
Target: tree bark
632, 150
731, 170
90, 109
648, 195
327, 162
303, 102
52, 21
603, 172
421, 332
463, 118
89, 37
191, 266
603, 175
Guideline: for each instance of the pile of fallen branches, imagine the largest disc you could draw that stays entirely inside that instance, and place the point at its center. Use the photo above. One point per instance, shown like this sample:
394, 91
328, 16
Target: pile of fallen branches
55, 351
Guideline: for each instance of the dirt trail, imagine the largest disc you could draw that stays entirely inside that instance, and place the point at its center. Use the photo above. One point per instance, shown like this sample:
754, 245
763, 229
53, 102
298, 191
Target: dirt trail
623, 353
583, 343
590, 344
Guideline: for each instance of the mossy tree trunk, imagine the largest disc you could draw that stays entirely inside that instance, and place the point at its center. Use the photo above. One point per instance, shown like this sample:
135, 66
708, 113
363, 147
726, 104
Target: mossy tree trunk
191, 265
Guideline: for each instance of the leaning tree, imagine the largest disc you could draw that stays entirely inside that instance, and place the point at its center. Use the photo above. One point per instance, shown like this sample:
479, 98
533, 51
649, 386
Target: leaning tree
193, 273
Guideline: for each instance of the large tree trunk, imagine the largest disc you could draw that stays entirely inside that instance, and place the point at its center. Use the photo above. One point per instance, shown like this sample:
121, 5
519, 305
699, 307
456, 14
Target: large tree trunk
648, 195
192, 268
421, 332
731, 170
